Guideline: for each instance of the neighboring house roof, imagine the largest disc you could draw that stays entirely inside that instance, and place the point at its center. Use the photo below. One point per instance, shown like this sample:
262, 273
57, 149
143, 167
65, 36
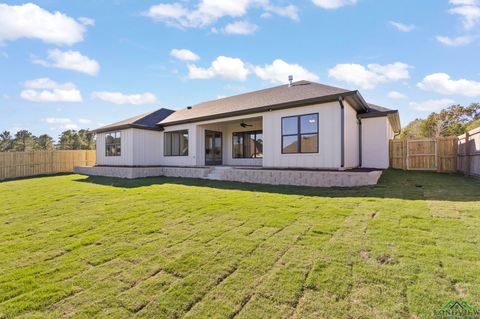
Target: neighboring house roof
147, 121
283, 96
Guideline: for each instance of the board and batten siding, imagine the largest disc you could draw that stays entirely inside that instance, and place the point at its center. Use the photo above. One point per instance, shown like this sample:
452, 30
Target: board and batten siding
191, 159
329, 134
126, 157
147, 147
352, 141
376, 133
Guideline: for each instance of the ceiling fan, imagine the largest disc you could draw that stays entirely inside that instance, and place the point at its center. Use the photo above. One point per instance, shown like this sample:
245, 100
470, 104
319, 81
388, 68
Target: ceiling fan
244, 125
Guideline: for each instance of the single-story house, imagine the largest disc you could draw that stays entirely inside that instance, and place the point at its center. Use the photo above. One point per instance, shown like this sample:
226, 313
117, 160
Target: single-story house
298, 126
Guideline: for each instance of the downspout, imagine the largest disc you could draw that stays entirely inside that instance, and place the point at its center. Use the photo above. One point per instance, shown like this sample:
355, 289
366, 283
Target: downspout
359, 142
342, 132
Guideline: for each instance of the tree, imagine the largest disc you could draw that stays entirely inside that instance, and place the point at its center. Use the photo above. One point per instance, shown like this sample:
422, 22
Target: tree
451, 121
6, 141
23, 141
87, 139
413, 130
43, 142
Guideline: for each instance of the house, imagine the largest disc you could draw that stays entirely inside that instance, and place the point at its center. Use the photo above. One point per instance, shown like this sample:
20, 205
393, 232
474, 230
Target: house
298, 126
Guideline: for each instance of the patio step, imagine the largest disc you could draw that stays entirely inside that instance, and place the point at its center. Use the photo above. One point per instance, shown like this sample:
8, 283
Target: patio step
217, 172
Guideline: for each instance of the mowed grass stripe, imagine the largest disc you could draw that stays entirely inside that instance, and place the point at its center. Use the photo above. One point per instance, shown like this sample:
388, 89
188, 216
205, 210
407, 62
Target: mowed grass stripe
75, 246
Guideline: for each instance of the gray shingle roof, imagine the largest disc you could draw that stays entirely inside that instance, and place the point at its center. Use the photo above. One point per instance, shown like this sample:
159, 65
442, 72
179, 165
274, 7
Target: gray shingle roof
301, 90
143, 121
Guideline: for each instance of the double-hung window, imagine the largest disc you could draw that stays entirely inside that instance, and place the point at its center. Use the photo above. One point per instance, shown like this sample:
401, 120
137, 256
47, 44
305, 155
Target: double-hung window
300, 134
247, 144
176, 143
113, 144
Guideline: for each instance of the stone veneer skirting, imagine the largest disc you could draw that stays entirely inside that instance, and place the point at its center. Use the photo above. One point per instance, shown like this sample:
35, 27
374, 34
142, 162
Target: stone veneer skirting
254, 175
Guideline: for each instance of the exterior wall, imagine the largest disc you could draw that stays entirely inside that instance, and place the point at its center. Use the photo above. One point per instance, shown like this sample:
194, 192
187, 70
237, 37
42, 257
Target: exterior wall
126, 157
329, 138
376, 132
147, 147
352, 146
192, 158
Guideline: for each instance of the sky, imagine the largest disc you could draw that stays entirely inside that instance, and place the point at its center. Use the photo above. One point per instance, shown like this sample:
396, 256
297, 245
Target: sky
83, 64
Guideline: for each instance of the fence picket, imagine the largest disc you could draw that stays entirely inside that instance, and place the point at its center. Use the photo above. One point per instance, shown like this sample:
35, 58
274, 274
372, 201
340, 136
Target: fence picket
23, 164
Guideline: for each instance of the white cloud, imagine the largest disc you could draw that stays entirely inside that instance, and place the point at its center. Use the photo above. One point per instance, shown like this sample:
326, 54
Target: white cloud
184, 55
333, 4
402, 27
47, 90
396, 95
31, 21
279, 70
372, 75
454, 42
70, 60
86, 21
223, 67
84, 121
58, 120
442, 83
464, 2
120, 98
208, 12
470, 15
431, 105
62, 122
289, 11
240, 28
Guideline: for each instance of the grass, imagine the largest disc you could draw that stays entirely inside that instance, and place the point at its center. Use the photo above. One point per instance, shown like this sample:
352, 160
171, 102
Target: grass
76, 246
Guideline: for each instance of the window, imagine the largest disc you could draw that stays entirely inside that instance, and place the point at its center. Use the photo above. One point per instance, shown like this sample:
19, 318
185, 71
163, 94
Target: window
247, 144
300, 134
176, 143
113, 144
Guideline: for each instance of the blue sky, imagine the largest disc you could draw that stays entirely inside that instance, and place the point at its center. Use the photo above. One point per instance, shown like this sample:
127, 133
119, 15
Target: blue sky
83, 64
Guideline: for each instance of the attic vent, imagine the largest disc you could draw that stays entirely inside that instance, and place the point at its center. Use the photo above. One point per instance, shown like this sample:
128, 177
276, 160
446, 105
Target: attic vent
290, 80
189, 107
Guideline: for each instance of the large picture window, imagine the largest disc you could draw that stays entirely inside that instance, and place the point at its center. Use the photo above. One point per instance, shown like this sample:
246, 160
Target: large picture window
300, 134
176, 143
247, 144
113, 144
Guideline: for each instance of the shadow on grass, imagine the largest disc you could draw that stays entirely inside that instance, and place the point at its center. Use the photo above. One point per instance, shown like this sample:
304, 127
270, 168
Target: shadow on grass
393, 184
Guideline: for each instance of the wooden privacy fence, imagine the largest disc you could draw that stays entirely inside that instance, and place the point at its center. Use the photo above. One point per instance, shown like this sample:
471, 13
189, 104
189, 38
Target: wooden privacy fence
21, 164
430, 154
469, 153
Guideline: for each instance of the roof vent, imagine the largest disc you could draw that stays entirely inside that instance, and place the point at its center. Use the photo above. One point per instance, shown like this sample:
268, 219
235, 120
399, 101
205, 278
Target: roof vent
290, 80
189, 107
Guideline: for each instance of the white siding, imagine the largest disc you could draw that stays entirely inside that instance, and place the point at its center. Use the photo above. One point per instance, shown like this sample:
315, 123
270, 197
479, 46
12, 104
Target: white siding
147, 147
351, 137
126, 158
375, 135
329, 138
191, 159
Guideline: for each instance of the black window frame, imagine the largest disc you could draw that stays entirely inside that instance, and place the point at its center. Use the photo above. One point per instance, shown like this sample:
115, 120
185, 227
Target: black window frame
180, 133
117, 145
299, 134
244, 145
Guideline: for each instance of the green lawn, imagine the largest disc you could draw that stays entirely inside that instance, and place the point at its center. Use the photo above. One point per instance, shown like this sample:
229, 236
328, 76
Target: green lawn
77, 246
